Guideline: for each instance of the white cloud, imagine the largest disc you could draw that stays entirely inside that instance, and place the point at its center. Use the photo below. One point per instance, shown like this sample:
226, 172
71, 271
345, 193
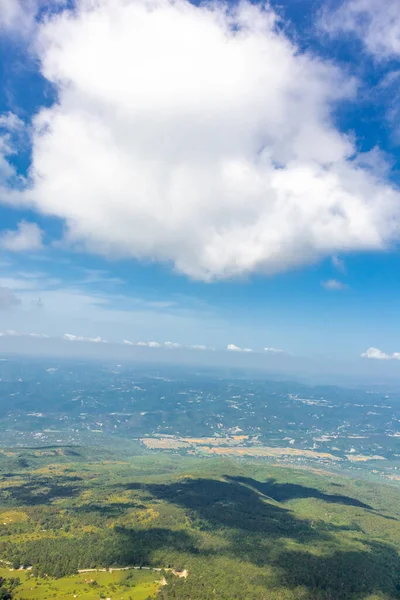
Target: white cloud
10, 333
234, 348
69, 337
339, 264
12, 134
334, 284
164, 345
13, 333
171, 345
79, 338
17, 15
153, 344
11, 122
42, 336
195, 155
377, 25
27, 236
379, 355
274, 350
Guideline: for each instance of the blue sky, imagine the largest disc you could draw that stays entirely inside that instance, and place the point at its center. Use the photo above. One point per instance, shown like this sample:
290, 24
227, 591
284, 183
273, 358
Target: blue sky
224, 176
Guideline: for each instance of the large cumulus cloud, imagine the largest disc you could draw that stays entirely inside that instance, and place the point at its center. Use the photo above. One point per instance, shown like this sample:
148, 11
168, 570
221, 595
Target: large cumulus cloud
199, 136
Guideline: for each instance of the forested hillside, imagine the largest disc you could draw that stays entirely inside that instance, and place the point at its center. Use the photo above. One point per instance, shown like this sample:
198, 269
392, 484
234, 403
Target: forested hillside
240, 529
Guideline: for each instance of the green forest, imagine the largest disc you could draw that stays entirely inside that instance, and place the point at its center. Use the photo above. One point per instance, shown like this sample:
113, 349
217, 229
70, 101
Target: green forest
238, 529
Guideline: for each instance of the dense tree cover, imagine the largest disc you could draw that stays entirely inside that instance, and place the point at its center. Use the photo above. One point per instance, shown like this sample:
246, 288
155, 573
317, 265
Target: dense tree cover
7, 587
61, 556
242, 530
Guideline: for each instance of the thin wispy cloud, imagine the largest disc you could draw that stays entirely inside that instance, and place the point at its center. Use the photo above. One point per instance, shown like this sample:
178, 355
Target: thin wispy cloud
172, 345
10, 333
376, 25
153, 344
339, 265
18, 283
94, 276
43, 336
334, 284
70, 337
274, 350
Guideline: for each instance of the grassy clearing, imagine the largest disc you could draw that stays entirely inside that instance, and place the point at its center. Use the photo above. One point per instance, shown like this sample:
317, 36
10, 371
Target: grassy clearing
118, 585
13, 516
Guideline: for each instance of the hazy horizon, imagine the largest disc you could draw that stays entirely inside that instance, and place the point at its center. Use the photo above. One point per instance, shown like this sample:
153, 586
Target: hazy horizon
275, 365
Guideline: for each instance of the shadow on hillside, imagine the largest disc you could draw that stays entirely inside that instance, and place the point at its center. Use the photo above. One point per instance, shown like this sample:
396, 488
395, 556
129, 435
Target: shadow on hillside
230, 504
343, 574
137, 547
283, 492
257, 532
108, 510
42, 491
